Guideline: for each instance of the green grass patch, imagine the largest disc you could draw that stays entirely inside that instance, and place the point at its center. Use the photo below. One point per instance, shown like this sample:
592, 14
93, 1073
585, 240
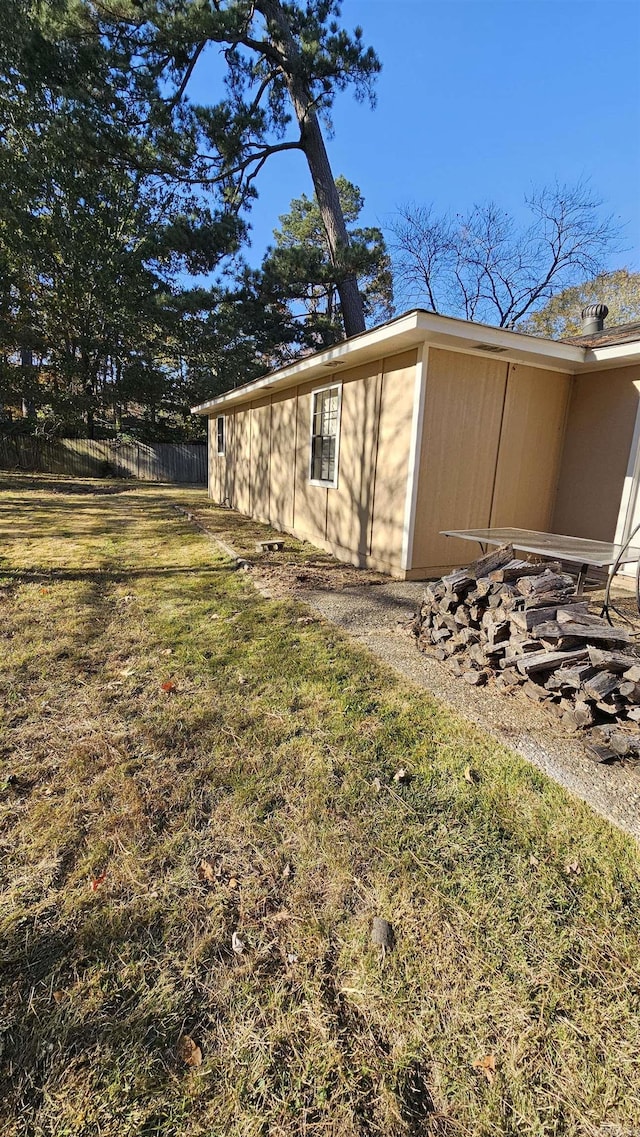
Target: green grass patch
515, 908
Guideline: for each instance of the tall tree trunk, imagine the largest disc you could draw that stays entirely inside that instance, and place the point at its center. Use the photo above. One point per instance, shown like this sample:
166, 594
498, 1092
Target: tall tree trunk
319, 166
26, 368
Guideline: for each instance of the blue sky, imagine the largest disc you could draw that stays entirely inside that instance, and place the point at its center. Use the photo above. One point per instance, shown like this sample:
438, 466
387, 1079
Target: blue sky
480, 101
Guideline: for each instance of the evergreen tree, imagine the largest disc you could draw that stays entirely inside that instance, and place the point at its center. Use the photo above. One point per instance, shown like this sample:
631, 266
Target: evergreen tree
300, 265
280, 57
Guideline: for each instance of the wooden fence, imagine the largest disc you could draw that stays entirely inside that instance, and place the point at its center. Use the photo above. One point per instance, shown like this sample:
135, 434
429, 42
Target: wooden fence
85, 458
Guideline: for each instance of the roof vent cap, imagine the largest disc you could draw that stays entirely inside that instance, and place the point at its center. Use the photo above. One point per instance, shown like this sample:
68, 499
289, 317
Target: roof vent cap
593, 318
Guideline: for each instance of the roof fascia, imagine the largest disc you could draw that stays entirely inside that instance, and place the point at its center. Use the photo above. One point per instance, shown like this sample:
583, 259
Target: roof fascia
614, 355
509, 345
398, 334
415, 328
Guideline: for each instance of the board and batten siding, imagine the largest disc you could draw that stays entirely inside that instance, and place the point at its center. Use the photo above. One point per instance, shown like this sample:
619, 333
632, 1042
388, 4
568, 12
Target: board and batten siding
597, 462
490, 452
265, 470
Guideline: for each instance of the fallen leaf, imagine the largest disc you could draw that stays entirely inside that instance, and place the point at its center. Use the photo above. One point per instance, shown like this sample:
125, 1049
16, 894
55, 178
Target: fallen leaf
43, 590
237, 944
287, 871
471, 776
97, 881
168, 686
292, 957
234, 882
207, 871
188, 1051
167, 651
402, 775
376, 785
486, 1066
533, 861
573, 868
58, 996
281, 917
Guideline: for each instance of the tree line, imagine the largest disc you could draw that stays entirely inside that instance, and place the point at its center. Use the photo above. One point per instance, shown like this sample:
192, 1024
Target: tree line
122, 194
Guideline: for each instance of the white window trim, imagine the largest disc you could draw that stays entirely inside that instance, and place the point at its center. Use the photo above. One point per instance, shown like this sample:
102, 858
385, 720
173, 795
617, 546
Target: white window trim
316, 481
219, 452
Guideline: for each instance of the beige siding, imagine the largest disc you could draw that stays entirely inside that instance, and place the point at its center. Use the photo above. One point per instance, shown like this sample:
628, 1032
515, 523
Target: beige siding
530, 447
392, 462
491, 448
490, 453
242, 461
310, 504
283, 459
350, 505
600, 423
265, 471
228, 479
260, 458
461, 431
217, 463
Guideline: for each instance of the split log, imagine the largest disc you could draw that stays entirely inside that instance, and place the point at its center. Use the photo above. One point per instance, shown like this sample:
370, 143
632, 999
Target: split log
492, 560
535, 691
611, 660
601, 684
521, 622
476, 678
516, 570
458, 582
630, 692
581, 715
545, 582
602, 754
548, 660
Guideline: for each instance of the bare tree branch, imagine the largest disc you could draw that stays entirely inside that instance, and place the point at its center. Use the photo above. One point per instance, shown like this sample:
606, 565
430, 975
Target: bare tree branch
481, 266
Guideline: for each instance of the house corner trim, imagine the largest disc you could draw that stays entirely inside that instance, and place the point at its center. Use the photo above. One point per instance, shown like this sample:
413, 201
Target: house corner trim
414, 458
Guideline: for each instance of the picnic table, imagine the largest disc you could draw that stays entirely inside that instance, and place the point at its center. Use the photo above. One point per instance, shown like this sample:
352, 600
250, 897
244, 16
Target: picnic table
576, 550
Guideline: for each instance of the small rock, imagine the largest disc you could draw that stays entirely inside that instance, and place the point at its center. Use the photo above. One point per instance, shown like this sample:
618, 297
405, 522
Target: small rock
381, 932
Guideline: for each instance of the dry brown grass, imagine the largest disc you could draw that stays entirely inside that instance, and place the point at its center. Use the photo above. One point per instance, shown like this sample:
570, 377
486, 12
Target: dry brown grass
515, 908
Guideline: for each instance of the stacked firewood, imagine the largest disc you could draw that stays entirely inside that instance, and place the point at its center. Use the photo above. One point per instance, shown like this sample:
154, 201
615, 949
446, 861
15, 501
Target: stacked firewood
520, 624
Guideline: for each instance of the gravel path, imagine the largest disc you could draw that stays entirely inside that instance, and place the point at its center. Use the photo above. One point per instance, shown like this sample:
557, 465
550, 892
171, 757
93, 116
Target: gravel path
377, 616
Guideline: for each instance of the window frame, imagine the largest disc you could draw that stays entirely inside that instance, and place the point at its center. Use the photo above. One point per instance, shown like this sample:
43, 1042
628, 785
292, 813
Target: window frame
327, 485
221, 452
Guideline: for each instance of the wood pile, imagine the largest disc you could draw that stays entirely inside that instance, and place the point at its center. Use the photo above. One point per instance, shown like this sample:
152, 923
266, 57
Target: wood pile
520, 624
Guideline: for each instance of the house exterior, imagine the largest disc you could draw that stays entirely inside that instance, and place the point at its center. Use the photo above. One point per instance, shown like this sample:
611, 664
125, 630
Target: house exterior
371, 447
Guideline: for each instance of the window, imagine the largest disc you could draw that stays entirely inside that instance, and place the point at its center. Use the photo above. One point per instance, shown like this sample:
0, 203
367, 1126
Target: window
325, 426
220, 433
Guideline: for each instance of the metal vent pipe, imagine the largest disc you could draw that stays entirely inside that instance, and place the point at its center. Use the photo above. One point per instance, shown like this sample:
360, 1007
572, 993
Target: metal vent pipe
593, 318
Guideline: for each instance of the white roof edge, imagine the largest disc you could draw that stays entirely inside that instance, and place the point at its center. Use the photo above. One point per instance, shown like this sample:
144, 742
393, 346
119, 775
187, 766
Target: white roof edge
419, 326
616, 353
280, 377
473, 334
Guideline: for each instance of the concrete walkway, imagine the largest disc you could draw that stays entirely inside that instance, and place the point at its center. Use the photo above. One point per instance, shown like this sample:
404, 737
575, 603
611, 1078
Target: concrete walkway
378, 617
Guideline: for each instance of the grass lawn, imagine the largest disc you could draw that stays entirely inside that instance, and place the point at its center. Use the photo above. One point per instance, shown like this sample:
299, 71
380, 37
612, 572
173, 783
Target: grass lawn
141, 828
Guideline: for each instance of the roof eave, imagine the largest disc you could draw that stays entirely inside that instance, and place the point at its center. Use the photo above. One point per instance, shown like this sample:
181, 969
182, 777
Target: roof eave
415, 328
403, 330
